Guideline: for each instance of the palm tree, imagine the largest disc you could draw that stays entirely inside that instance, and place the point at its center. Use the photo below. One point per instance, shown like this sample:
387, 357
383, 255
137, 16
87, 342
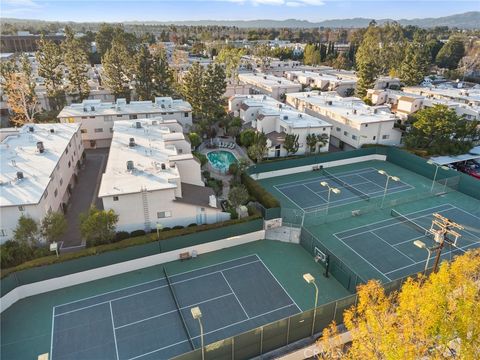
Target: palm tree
312, 140
322, 140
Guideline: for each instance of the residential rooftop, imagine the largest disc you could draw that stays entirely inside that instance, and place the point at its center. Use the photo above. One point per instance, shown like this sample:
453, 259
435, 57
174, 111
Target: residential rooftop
97, 107
266, 80
350, 108
142, 155
19, 153
468, 96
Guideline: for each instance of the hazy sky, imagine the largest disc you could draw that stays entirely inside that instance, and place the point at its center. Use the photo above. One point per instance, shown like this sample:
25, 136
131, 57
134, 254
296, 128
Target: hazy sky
168, 10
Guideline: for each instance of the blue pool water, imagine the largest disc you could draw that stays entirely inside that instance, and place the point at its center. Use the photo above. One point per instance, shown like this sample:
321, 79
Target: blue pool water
221, 160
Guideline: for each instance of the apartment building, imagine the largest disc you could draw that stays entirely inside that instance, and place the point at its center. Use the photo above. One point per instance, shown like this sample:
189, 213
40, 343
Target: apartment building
323, 81
459, 95
152, 178
39, 166
353, 122
97, 118
404, 104
270, 85
278, 120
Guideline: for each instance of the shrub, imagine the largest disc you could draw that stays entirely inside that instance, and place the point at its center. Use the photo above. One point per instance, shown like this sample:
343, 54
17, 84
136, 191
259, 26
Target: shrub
206, 174
177, 227
233, 213
166, 228
202, 158
192, 225
122, 235
137, 233
257, 192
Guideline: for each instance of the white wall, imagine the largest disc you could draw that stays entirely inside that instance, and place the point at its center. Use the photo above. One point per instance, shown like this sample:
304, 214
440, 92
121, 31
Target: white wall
306, 168
121, 268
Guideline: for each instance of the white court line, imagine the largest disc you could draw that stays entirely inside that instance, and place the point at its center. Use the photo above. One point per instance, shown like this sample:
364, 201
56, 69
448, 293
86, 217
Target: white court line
51, 340
368, 262
278, 282
466, 212
150, 281
236, 297
113, 329
443, 254
384, 220
174, 310
373, 182
314, 193
148, 290
213, 331
290, 199
350, 172
394, 248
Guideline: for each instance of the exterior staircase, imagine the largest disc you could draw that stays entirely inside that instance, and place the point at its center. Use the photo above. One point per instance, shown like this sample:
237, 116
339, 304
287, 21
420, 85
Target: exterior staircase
146, 212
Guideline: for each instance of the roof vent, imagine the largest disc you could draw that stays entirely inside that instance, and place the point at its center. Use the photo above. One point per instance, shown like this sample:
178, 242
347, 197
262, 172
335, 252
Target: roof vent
31, 129
138, 125
131, 143
92, 108
285, 117
163, 166
354, 111
19, 175
154, 122
130, 166
52, 130
40, 147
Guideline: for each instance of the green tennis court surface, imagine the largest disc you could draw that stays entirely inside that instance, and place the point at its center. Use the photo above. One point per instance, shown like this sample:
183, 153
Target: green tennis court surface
355, 185
144, 321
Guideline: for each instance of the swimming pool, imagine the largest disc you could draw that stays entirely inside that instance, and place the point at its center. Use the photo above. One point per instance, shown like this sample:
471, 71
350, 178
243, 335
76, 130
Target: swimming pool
221, 160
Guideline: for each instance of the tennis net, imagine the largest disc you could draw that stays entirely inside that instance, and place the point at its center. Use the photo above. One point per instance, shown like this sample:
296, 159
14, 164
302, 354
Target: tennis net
346, 185
410, 222
178, 308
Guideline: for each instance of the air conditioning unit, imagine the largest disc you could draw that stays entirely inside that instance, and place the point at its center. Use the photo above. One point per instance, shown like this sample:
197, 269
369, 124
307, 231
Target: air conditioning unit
19, 175
131, 142
138, 124
130, 166
40, 147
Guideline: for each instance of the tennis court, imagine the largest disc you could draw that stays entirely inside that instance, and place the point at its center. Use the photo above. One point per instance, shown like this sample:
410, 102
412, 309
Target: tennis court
152, 320
355, 185
387, 245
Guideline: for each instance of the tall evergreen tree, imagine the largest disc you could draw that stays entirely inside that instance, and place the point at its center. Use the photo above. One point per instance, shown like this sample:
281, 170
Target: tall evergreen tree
50, 60
367, 60
117, 70
143, 74
163, 80
451, 53
192, 83
415, 64
212, 90
76, 62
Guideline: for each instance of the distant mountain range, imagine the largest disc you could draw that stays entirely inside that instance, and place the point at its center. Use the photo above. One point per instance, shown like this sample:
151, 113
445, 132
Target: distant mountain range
468, 20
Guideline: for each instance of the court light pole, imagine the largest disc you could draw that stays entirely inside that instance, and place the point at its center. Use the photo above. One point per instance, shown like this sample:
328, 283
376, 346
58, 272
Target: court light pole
437, 166
311, 280
330, 190
394, 178
420, 244
197, 315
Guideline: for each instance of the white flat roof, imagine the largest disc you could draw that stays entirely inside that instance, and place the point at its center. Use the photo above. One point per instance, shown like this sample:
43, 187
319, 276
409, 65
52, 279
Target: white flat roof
453, 93
445, 160
148, 155
266, 80
351, 108
18, 152
97, 107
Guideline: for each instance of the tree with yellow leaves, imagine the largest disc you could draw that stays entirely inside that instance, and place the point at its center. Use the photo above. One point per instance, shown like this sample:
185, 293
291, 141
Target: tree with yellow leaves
428, 318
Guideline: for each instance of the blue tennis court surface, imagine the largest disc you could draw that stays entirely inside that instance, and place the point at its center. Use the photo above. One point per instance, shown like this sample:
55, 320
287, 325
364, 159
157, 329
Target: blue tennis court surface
387, 245
356, 185
144, 322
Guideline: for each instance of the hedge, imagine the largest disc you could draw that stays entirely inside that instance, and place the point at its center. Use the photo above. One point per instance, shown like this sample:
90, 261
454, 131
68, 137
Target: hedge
132, 241
259, 193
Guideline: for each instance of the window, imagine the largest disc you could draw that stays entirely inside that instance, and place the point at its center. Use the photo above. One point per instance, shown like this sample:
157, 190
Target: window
164, 214
111, 130
98, 130
92, 117
45, 195
55, 193
119, 115
70, 144
385, 137
338, 129
133, 117
180, 151
374, 137
366, 125
115, 198
69, 164
61, 182
107, 118
185, 114
21, 208
83, 131
66, 151
84, 117
345, 133
354, 137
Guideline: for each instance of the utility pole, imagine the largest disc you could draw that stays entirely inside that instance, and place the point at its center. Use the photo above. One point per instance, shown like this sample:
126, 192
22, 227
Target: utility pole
441, 227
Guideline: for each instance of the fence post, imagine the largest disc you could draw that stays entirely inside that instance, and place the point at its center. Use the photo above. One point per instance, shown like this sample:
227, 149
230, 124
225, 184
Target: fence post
288, 330
233, 348
261, 342
335, 311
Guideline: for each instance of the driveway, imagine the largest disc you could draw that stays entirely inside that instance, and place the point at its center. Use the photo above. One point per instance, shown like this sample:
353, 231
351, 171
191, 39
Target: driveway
84, 194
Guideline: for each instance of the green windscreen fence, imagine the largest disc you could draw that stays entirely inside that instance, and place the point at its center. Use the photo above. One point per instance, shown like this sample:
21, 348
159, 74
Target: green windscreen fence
314, 159
28, 276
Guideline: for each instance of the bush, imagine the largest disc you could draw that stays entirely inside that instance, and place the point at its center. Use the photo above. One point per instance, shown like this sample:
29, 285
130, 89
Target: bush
206, 174
192, 225
216, 185
257, 192
202, 158
13, 253
177, 227
233, 213
166, 228
136, 233
122, 235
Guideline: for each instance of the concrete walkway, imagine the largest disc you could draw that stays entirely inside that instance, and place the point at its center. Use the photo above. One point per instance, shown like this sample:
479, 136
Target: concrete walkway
83, 196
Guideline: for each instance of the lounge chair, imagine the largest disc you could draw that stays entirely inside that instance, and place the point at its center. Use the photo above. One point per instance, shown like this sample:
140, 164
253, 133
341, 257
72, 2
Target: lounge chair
232, 145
